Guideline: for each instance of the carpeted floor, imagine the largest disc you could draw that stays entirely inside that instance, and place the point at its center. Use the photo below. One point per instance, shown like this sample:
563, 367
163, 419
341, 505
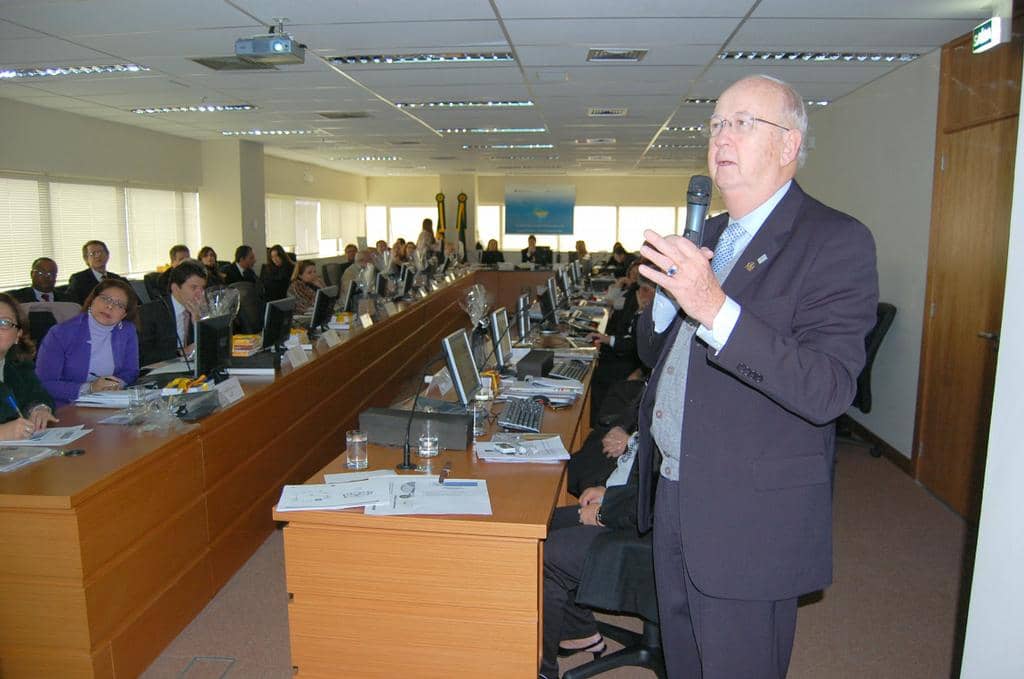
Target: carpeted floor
892, 611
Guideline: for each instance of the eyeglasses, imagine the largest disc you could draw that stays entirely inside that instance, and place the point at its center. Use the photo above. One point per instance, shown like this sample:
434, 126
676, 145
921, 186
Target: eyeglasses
7, 324
96, 253
743, 124
44, 274
112, 303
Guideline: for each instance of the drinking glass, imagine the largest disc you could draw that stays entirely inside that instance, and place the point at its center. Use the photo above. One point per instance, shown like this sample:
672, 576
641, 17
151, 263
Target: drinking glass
355, 444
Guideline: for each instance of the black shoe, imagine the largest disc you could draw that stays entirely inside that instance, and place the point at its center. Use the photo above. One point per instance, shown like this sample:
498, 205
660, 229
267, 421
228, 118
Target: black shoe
597, 648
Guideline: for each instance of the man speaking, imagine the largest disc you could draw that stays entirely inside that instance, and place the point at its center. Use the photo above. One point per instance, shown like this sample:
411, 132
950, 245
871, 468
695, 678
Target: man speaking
756, 342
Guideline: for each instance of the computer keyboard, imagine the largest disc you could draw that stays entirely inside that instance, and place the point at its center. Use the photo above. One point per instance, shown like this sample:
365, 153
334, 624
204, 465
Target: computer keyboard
522, 414
569, 370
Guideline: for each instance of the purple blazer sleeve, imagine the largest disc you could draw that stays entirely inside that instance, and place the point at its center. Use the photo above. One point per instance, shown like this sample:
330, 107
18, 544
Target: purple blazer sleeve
62, 363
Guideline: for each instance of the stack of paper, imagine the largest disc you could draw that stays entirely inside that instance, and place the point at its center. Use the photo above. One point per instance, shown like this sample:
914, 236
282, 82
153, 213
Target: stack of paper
334, 495
521, 448
114, 399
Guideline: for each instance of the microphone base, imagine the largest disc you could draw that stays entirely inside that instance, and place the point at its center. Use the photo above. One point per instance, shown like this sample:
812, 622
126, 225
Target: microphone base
405, 466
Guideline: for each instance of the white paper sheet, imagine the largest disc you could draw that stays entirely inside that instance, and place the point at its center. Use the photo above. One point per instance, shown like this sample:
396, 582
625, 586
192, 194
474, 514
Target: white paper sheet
333, 495
54, 436
424, 495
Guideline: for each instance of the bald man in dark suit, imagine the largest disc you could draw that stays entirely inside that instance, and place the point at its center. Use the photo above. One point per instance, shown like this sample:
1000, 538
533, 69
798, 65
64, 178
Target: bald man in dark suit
755, 351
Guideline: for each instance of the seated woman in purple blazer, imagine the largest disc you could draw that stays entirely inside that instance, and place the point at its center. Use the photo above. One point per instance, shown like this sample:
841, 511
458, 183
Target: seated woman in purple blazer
97, 350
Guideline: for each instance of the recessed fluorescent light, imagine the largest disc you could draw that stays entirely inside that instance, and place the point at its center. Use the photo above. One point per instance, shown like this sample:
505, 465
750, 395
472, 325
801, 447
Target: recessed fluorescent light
685, 128
464, 104
372, 159
607, 111
679, 146
822, 102
609, 54
477, 147
201, 108
54, 71
423, 58
819, 57
596, 141
524, 157
493, 130
700, 101
261, 133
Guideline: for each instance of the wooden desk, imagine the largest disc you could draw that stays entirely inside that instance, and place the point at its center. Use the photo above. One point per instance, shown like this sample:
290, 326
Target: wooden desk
105, 558
427, 596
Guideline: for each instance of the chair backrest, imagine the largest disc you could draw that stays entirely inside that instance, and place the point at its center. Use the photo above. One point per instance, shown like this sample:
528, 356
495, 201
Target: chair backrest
44, 315
332, 273
140, 291
250, 315
152, 283
885, 315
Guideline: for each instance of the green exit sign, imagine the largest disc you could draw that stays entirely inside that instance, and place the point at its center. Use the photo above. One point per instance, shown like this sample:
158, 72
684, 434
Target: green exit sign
987, 35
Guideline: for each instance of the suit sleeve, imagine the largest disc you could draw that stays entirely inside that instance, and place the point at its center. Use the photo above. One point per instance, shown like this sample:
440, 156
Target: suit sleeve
50, 361
156, 342
618, 509
811, 370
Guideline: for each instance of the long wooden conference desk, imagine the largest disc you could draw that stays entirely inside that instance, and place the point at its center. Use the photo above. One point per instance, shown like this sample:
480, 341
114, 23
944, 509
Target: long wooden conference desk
106, 557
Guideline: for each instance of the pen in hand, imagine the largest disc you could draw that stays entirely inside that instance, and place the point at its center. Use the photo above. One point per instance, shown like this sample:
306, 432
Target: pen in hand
29, 428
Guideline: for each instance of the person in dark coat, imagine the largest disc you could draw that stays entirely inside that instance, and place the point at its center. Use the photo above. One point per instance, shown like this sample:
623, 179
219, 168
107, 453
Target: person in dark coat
44, 276
25, 406
96, 256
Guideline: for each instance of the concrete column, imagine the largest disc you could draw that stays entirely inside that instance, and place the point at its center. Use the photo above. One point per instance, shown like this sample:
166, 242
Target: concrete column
232, 201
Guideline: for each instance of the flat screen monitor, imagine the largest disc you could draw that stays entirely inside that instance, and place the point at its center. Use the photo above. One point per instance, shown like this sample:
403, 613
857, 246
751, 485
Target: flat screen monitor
277, 322
213, 345
382, 285
350, 301
501, 337
561, 288
523, 310
323, 307
547, 303
407, 279
574, 272
459, 356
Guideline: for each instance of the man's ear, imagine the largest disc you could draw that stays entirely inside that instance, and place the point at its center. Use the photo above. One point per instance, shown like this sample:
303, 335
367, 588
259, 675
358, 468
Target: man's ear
791, 142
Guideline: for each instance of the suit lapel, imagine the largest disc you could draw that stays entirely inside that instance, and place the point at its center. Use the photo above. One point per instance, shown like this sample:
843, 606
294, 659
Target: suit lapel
766, 244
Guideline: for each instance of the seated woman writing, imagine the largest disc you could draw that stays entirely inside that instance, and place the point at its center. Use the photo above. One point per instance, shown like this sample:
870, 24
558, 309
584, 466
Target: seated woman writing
25, 406
97, 350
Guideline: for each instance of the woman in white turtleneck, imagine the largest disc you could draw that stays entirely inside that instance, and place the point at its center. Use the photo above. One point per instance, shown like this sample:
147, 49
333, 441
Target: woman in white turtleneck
98, 350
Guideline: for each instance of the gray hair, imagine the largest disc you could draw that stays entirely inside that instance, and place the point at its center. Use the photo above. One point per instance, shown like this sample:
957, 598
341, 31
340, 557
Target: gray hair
793, 109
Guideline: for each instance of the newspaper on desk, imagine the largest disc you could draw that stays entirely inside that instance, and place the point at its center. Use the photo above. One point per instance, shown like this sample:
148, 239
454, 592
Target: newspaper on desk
53, 436
415, 494
512, 447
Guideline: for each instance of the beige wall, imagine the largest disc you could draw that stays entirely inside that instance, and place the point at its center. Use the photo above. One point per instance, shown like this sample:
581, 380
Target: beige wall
289, 178
399, 191
61, 144
873, 158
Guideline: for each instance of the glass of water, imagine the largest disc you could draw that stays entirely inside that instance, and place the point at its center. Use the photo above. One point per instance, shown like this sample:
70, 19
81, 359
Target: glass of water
355, 445
480, 413
428, 444
137, 403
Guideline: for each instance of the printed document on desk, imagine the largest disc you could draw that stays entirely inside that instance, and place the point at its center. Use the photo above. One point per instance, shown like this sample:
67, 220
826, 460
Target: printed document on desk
511, 447
333, 495
54, 436
424, 495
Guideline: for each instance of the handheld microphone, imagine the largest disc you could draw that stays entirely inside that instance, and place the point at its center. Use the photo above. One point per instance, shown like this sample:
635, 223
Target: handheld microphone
406, 463
698, 197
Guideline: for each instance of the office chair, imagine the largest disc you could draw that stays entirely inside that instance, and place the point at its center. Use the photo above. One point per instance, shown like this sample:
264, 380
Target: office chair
250, 312
618, 577
862, 401
44, 315
332, 273
151, 282
140, 291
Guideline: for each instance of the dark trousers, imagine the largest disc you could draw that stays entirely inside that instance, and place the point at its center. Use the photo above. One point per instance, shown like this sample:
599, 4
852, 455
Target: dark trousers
705, 637
564, 553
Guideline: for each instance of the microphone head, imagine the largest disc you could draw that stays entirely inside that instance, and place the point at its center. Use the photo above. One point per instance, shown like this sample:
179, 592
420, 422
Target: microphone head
699, 190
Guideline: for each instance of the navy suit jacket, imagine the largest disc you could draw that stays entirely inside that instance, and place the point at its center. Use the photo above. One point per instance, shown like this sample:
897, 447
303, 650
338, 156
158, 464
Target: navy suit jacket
81, 284
758, 437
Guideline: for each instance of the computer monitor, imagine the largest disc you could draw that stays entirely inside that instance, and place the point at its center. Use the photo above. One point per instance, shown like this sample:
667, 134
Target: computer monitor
408, 276
566, 286
459, 355
501, 337
547, 304
523, 320
277, 323
561, 287
350, 301
213, 346
382, 285
323, 307
574, 273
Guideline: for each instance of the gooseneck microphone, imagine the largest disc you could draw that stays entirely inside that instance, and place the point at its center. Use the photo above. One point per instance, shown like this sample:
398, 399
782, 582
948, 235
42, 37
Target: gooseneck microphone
698, 197
406, 463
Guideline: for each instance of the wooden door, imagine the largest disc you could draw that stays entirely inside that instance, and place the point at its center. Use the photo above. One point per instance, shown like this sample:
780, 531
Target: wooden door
972, 198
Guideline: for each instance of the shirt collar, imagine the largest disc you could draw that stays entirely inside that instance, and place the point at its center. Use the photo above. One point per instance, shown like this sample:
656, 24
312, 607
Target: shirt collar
178, 307
753, 221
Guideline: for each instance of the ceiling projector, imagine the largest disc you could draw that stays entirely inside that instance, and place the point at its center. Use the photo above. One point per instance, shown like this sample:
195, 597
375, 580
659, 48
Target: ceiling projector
275, 48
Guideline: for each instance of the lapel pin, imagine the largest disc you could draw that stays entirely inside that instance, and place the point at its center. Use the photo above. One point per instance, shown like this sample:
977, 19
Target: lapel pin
750, 266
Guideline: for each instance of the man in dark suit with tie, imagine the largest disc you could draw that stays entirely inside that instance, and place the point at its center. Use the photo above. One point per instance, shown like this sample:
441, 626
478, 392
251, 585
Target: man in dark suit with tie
242, 269
44, 275
96, 256
755, 352
166, 324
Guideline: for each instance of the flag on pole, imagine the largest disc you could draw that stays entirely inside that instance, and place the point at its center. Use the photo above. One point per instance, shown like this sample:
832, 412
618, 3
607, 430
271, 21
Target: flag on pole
460, 222
441, 228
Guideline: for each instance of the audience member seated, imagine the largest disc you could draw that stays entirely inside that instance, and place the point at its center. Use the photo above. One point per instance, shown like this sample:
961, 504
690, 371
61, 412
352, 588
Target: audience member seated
580, 252
241, 270
398, 247
619, 261
615, 421
166, 324
277, 273
32, 407
44, 276
492, 255
617, 354
97, 350
208, 258
305, 282
96, 256
568, 628
361, 270
177, 254
534, 254
350, 256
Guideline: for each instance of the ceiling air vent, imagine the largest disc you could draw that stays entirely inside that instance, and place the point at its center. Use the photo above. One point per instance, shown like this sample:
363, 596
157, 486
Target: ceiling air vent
607, 112
618, 55
596, 141
232, 63
343, 115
